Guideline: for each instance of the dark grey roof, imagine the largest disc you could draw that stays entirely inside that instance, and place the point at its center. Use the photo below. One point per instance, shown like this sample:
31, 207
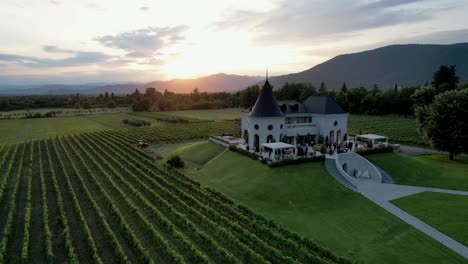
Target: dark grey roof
291, 107
322, 104
266, 105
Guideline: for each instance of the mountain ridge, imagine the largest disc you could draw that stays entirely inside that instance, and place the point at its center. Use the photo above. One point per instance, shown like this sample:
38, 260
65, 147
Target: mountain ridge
400, 64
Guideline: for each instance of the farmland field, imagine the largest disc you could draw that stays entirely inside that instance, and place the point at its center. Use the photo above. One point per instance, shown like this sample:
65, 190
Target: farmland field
305, 199
14, 131
94, 198
397, 129
213, 114
425, 170
20, 130
445, 212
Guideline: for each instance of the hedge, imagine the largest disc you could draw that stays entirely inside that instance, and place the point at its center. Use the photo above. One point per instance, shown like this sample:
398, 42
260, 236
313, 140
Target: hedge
296, 161
375, 151
244, 152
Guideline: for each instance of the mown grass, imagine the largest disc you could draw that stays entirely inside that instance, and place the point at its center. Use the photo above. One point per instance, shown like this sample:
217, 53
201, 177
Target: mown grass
445, 212
199, 153
425, 170
305, 199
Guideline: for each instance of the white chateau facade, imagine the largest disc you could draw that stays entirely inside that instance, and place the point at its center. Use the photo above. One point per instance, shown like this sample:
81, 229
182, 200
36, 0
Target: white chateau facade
292, 122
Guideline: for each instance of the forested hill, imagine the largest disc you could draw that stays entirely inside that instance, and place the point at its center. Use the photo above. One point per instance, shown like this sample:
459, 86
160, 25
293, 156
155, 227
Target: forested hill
406, 65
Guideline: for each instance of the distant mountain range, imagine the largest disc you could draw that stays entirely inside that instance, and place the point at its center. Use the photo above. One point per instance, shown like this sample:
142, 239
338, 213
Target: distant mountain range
411, 64
220, 82
406, 65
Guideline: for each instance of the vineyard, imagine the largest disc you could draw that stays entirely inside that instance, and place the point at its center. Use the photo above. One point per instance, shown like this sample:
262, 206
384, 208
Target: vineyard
397, 129
94, 198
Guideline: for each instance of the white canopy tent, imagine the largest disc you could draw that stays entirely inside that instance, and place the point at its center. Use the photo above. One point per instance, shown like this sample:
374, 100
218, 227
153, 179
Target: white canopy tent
373, 138
277, 150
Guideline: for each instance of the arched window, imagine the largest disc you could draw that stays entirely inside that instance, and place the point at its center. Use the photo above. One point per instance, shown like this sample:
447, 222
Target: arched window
338, 136
332, 137
257, 143
283, 108
270, 139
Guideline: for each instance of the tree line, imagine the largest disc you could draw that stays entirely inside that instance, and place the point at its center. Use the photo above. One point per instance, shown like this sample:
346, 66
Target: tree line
355, 100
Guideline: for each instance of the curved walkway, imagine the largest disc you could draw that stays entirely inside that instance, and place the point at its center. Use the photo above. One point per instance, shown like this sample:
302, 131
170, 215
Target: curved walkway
381, 194
333, 171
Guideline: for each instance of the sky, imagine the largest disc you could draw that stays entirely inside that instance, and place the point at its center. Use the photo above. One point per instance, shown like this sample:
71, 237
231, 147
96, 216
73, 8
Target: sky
111, 41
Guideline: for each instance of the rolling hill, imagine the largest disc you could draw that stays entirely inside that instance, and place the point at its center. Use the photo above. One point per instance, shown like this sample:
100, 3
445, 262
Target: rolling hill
411, 64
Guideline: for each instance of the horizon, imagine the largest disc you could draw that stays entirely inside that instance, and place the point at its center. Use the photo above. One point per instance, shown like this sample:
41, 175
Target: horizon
157, 41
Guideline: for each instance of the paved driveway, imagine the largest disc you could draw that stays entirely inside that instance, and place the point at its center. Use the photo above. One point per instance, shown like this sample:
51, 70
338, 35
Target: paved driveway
381, 194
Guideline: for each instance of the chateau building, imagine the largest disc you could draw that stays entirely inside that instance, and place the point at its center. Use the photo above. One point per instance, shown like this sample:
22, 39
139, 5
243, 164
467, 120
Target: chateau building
292, 122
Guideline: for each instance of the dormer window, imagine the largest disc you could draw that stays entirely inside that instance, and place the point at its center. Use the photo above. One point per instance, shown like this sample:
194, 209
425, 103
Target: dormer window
283, 108
294, 107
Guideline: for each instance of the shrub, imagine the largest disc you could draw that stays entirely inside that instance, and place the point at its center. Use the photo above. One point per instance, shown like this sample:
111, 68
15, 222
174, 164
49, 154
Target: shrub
136, 122
321, 140
244, 152
375, 151
176, 162
323, 149
296, 161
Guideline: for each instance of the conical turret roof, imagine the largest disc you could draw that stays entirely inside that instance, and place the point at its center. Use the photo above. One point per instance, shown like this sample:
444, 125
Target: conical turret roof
266, 105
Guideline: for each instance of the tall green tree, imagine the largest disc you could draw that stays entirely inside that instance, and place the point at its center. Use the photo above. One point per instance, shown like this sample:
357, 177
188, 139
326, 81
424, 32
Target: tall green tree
445, 79
444, 122
322, 88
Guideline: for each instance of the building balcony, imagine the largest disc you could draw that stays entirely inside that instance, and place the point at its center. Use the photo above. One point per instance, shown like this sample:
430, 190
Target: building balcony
301, 129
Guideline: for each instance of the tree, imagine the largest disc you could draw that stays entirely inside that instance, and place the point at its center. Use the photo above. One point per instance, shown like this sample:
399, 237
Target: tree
445, 79
249, 96
344, 88
423, 96
322, 88
444, 122
176, 162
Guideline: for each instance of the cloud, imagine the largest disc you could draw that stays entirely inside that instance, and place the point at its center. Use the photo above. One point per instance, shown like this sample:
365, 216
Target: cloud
390, 3
307, 20
54, 49
145, 8
145, 42
440, 37
77, 58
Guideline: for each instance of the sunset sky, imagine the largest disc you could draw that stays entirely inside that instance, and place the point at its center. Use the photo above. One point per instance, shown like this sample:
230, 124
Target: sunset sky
65, 41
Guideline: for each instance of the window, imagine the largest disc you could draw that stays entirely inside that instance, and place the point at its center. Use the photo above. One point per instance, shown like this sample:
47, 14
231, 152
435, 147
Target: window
336, 123
281, 126
283, 108
270, 127
256, 127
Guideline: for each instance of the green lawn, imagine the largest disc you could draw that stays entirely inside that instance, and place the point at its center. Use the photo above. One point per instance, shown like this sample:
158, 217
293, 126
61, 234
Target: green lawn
199, 153
305, 199
212, 114
398, 129
425, 170
19, 130
446, 212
